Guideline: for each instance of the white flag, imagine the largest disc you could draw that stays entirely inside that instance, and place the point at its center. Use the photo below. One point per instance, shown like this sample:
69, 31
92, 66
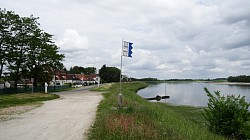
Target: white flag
127, 49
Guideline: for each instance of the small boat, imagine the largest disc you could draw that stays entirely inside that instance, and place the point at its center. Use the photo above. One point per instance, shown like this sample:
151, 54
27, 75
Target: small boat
158, 98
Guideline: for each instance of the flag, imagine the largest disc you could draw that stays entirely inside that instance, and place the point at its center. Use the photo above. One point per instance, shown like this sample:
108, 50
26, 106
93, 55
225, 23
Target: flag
127, 49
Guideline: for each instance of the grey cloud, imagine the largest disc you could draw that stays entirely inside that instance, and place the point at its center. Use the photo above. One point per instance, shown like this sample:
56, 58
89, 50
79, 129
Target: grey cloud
235, 11
172, 39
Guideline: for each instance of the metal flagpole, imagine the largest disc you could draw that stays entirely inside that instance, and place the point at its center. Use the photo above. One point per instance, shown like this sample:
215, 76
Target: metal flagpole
121, 69
119, 98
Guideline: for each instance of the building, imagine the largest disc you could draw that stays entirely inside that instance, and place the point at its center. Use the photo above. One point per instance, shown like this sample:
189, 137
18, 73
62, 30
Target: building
6, 84
61, 78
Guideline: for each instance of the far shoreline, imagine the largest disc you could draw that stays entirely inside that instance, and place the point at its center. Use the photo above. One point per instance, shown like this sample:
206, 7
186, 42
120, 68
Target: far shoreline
233, 83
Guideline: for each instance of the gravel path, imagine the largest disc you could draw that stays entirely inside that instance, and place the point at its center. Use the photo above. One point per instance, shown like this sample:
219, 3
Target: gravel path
67, 118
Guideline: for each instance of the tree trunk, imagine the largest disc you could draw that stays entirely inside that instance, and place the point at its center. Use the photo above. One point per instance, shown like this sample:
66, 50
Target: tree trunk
2, 60
1, 69
35, 80
16, 78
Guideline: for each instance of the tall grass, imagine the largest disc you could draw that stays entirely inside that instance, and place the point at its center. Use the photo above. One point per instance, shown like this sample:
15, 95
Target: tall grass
144, 120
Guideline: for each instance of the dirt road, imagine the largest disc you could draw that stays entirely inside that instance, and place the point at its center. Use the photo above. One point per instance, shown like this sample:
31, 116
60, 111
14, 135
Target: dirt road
67, 118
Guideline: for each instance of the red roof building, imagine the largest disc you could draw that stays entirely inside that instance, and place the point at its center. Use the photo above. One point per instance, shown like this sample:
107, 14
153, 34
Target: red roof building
61, 78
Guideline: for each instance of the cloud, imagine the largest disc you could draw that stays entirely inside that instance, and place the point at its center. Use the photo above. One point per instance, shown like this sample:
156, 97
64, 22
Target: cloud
71, 42
172, 39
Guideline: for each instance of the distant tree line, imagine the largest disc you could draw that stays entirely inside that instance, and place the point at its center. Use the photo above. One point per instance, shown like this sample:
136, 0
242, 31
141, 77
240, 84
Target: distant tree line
241, 78
26, 51
179, 80
82, 70
144, 79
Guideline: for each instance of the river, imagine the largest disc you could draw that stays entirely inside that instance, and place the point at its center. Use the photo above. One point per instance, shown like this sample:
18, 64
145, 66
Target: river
192, 93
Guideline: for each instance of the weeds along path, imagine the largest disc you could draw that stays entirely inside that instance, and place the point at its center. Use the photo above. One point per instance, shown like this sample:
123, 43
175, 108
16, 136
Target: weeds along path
68, 117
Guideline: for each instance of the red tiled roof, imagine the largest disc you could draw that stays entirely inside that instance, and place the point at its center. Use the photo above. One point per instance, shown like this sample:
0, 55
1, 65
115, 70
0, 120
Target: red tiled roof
84, 77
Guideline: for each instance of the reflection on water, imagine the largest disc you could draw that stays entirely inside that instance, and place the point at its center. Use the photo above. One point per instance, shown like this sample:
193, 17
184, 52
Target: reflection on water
192, 93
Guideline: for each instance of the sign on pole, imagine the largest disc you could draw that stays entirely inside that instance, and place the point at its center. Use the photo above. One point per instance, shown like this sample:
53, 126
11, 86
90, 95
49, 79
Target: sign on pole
127, 52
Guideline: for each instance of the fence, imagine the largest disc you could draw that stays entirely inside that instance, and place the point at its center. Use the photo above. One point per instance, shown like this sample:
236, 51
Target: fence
29, 89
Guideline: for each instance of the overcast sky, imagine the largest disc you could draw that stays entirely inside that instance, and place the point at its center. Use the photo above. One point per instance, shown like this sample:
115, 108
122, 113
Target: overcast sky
172, 38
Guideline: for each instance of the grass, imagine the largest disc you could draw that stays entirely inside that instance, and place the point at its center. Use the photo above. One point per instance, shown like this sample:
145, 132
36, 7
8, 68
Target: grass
190, 113
8, 100
60, 90
105, 87
144, 120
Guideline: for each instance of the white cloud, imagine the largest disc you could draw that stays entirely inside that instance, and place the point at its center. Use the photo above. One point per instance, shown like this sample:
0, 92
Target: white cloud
71, 42
185, 61
188, 49
216, 70
172, 39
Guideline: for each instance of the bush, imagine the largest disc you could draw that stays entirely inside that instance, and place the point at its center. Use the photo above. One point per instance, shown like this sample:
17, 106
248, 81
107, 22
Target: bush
68, 84
227, 116
1, 81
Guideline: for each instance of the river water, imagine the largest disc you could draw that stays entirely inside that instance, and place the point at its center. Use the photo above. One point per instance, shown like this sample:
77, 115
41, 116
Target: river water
192, 93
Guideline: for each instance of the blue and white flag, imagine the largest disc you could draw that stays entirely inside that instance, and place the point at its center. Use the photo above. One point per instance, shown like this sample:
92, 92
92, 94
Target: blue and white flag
127, 49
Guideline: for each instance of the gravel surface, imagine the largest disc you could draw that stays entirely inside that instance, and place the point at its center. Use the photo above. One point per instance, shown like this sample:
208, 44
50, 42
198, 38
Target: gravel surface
66, 118
14, 112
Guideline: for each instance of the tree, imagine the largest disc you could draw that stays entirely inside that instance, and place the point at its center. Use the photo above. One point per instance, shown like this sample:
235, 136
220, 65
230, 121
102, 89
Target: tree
7, 18
103, 73
28, 50
43, 57
76, 70
109, 74
241, 78
125, 78
89, 70
82, 70
17, 46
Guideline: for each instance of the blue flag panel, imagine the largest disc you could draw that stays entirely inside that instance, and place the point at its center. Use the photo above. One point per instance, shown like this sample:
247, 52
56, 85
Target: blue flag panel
130, 47
127, 49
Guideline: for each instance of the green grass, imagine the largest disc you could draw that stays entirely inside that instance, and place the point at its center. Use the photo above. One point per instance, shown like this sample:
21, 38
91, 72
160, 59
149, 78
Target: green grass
105, 87
60, 90
193, 114
144, 120
8, 100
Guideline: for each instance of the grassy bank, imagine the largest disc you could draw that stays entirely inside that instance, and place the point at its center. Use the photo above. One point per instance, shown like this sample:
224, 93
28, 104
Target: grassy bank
144, 120
8, 100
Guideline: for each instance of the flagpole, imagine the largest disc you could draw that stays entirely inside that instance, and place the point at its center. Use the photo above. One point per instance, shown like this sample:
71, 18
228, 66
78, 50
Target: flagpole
121, 70
119, 97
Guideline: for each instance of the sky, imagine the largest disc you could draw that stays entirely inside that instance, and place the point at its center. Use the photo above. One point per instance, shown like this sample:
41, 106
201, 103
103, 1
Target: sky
172, 38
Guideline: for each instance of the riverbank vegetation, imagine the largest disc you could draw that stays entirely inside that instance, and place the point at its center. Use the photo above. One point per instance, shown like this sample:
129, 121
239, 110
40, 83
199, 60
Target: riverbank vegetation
140, 119
228, 116
179, 80
241, 78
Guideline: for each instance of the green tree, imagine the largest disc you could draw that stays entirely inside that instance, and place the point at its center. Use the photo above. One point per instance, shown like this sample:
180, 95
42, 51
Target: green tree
17, 48
43, 57
7, 18
241, 78
109, 74
28, 50
82, 70
76, 70
89, 70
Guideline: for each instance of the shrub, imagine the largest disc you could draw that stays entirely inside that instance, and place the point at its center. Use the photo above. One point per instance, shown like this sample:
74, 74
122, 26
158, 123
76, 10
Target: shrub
227, 116
68, 84
1, 81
